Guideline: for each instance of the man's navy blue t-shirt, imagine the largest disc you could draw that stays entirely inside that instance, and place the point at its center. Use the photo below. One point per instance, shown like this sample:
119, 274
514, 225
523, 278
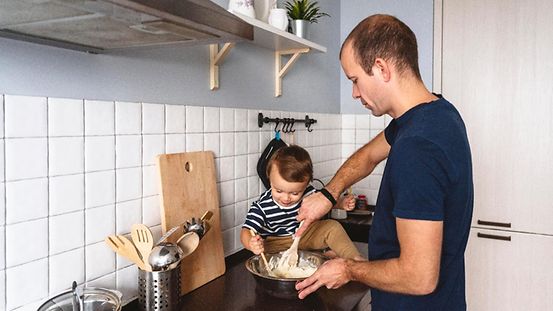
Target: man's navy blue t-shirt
428, 176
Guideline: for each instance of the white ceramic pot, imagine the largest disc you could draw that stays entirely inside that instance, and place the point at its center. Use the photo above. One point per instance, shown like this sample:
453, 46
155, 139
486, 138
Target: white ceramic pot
279, 19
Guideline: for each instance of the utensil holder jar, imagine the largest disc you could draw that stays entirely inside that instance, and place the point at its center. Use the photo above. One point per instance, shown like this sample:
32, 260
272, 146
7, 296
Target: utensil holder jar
159, 290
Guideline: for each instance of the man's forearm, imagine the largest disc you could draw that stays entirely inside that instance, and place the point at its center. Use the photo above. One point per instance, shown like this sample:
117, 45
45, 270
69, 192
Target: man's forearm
359, 165
390, 275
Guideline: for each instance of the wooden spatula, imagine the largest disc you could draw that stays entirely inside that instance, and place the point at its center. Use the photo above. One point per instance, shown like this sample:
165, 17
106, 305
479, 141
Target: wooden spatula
124, 247
144, 242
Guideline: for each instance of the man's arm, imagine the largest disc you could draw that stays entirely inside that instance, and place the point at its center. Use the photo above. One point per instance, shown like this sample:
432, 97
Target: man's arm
415, 272
358, 166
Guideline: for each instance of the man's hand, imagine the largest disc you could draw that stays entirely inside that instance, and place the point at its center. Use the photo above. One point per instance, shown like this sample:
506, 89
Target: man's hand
347, 202
313, 207
332, 274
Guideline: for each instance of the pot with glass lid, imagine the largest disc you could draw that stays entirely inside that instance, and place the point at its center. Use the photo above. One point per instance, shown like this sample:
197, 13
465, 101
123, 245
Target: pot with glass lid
84, 299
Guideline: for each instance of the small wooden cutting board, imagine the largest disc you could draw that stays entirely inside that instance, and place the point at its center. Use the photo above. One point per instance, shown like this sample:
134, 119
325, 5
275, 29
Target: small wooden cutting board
188, 189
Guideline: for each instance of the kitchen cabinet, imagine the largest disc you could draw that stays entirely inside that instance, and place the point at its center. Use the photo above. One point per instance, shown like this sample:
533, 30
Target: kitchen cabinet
281, 42
494, 62
509, 275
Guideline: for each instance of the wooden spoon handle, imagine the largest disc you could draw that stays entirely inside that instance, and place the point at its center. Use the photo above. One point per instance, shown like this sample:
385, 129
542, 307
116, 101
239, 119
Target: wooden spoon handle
262, 254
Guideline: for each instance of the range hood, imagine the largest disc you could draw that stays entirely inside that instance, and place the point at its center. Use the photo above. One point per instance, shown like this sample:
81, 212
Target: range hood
102, 25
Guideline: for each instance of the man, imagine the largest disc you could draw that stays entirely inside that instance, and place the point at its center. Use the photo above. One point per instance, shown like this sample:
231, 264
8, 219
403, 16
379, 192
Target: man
424, 205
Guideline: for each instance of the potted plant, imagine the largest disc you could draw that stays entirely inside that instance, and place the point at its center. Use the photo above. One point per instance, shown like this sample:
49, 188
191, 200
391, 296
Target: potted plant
302, 13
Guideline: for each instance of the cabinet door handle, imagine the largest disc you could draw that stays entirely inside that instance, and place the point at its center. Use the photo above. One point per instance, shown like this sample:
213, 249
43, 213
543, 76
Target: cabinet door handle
493, 237
494, 224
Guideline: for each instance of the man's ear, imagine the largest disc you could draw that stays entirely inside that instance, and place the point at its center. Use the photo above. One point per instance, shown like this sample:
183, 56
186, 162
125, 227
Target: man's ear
382, 69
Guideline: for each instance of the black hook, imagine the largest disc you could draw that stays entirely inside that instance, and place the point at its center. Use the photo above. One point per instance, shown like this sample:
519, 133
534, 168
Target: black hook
277, 121
292, 126
309, 129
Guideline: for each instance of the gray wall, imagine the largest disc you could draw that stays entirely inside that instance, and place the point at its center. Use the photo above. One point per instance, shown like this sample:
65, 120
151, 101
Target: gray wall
418, 15
180, 75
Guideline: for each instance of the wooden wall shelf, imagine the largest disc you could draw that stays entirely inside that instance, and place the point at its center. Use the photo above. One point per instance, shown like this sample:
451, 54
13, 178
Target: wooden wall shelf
269, 37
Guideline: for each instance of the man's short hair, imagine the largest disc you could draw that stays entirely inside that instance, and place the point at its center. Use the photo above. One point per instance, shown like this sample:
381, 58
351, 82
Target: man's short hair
386, 37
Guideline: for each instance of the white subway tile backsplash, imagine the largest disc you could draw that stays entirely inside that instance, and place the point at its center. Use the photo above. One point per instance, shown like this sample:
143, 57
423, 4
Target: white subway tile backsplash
252, 164
152, 146
65, 155
99, 153
211, 143
99, 117
64, 269
194, 142
2, 289
128, 184
175, 143
211, 119
128, 118
227, 217
1, 136
66, 194
241, 210
153, 119
26, 284
151, 211
126, 283
126, 214
194, 119
149, 181
100, 188
99, 223
18, 248
66, 232
226, 192
240, 189
100, 260
377, 123
128, 150
25, 116
26, 158
240, 120
253, 142
228, 241
175, 119
362, 121
26, 200
226, 169
240, 166
227, 120
240, 143
65, 117
227, 144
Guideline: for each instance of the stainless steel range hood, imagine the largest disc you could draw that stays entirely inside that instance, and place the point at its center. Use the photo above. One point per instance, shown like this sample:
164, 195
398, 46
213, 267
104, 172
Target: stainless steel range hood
102, 25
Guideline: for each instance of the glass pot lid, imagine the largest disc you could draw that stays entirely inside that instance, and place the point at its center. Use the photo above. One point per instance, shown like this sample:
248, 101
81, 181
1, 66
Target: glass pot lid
97, 299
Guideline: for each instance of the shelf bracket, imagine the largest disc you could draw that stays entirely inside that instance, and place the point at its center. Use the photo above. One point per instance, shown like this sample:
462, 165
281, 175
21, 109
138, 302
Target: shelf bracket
281, 72
216, 58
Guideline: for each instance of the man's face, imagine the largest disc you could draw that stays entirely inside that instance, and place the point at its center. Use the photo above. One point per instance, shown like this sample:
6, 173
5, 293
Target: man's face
365, 87
285, 193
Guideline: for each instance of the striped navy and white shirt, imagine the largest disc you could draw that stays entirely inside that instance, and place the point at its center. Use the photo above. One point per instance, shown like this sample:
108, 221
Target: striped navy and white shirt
267, 218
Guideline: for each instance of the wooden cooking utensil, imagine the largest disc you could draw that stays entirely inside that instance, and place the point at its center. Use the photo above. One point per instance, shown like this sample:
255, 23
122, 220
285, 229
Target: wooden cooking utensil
124, 247
262, 254
188, 243
144, 241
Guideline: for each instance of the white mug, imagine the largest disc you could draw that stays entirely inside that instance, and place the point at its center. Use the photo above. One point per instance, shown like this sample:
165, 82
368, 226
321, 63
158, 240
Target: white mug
278, 18
242, 6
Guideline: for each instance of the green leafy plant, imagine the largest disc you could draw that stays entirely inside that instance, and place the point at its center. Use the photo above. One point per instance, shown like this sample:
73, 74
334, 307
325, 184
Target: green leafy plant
304, 9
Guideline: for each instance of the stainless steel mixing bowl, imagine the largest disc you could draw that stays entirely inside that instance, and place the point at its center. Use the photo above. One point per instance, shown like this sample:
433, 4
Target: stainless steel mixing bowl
279, 287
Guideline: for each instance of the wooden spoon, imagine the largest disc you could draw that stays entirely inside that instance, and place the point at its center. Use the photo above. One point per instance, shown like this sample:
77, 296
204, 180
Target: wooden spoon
124, 247
262, 254
188, 243
144, 242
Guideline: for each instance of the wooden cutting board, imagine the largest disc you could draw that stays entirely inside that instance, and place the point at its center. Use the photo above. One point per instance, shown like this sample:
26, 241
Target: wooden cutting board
188, 189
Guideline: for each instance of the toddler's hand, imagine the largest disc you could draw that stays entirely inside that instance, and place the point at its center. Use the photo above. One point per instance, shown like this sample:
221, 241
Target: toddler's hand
256, 244
348, 202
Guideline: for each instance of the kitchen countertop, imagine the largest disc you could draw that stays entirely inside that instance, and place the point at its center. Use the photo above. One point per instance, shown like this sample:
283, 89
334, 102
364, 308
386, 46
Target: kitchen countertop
237, 290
